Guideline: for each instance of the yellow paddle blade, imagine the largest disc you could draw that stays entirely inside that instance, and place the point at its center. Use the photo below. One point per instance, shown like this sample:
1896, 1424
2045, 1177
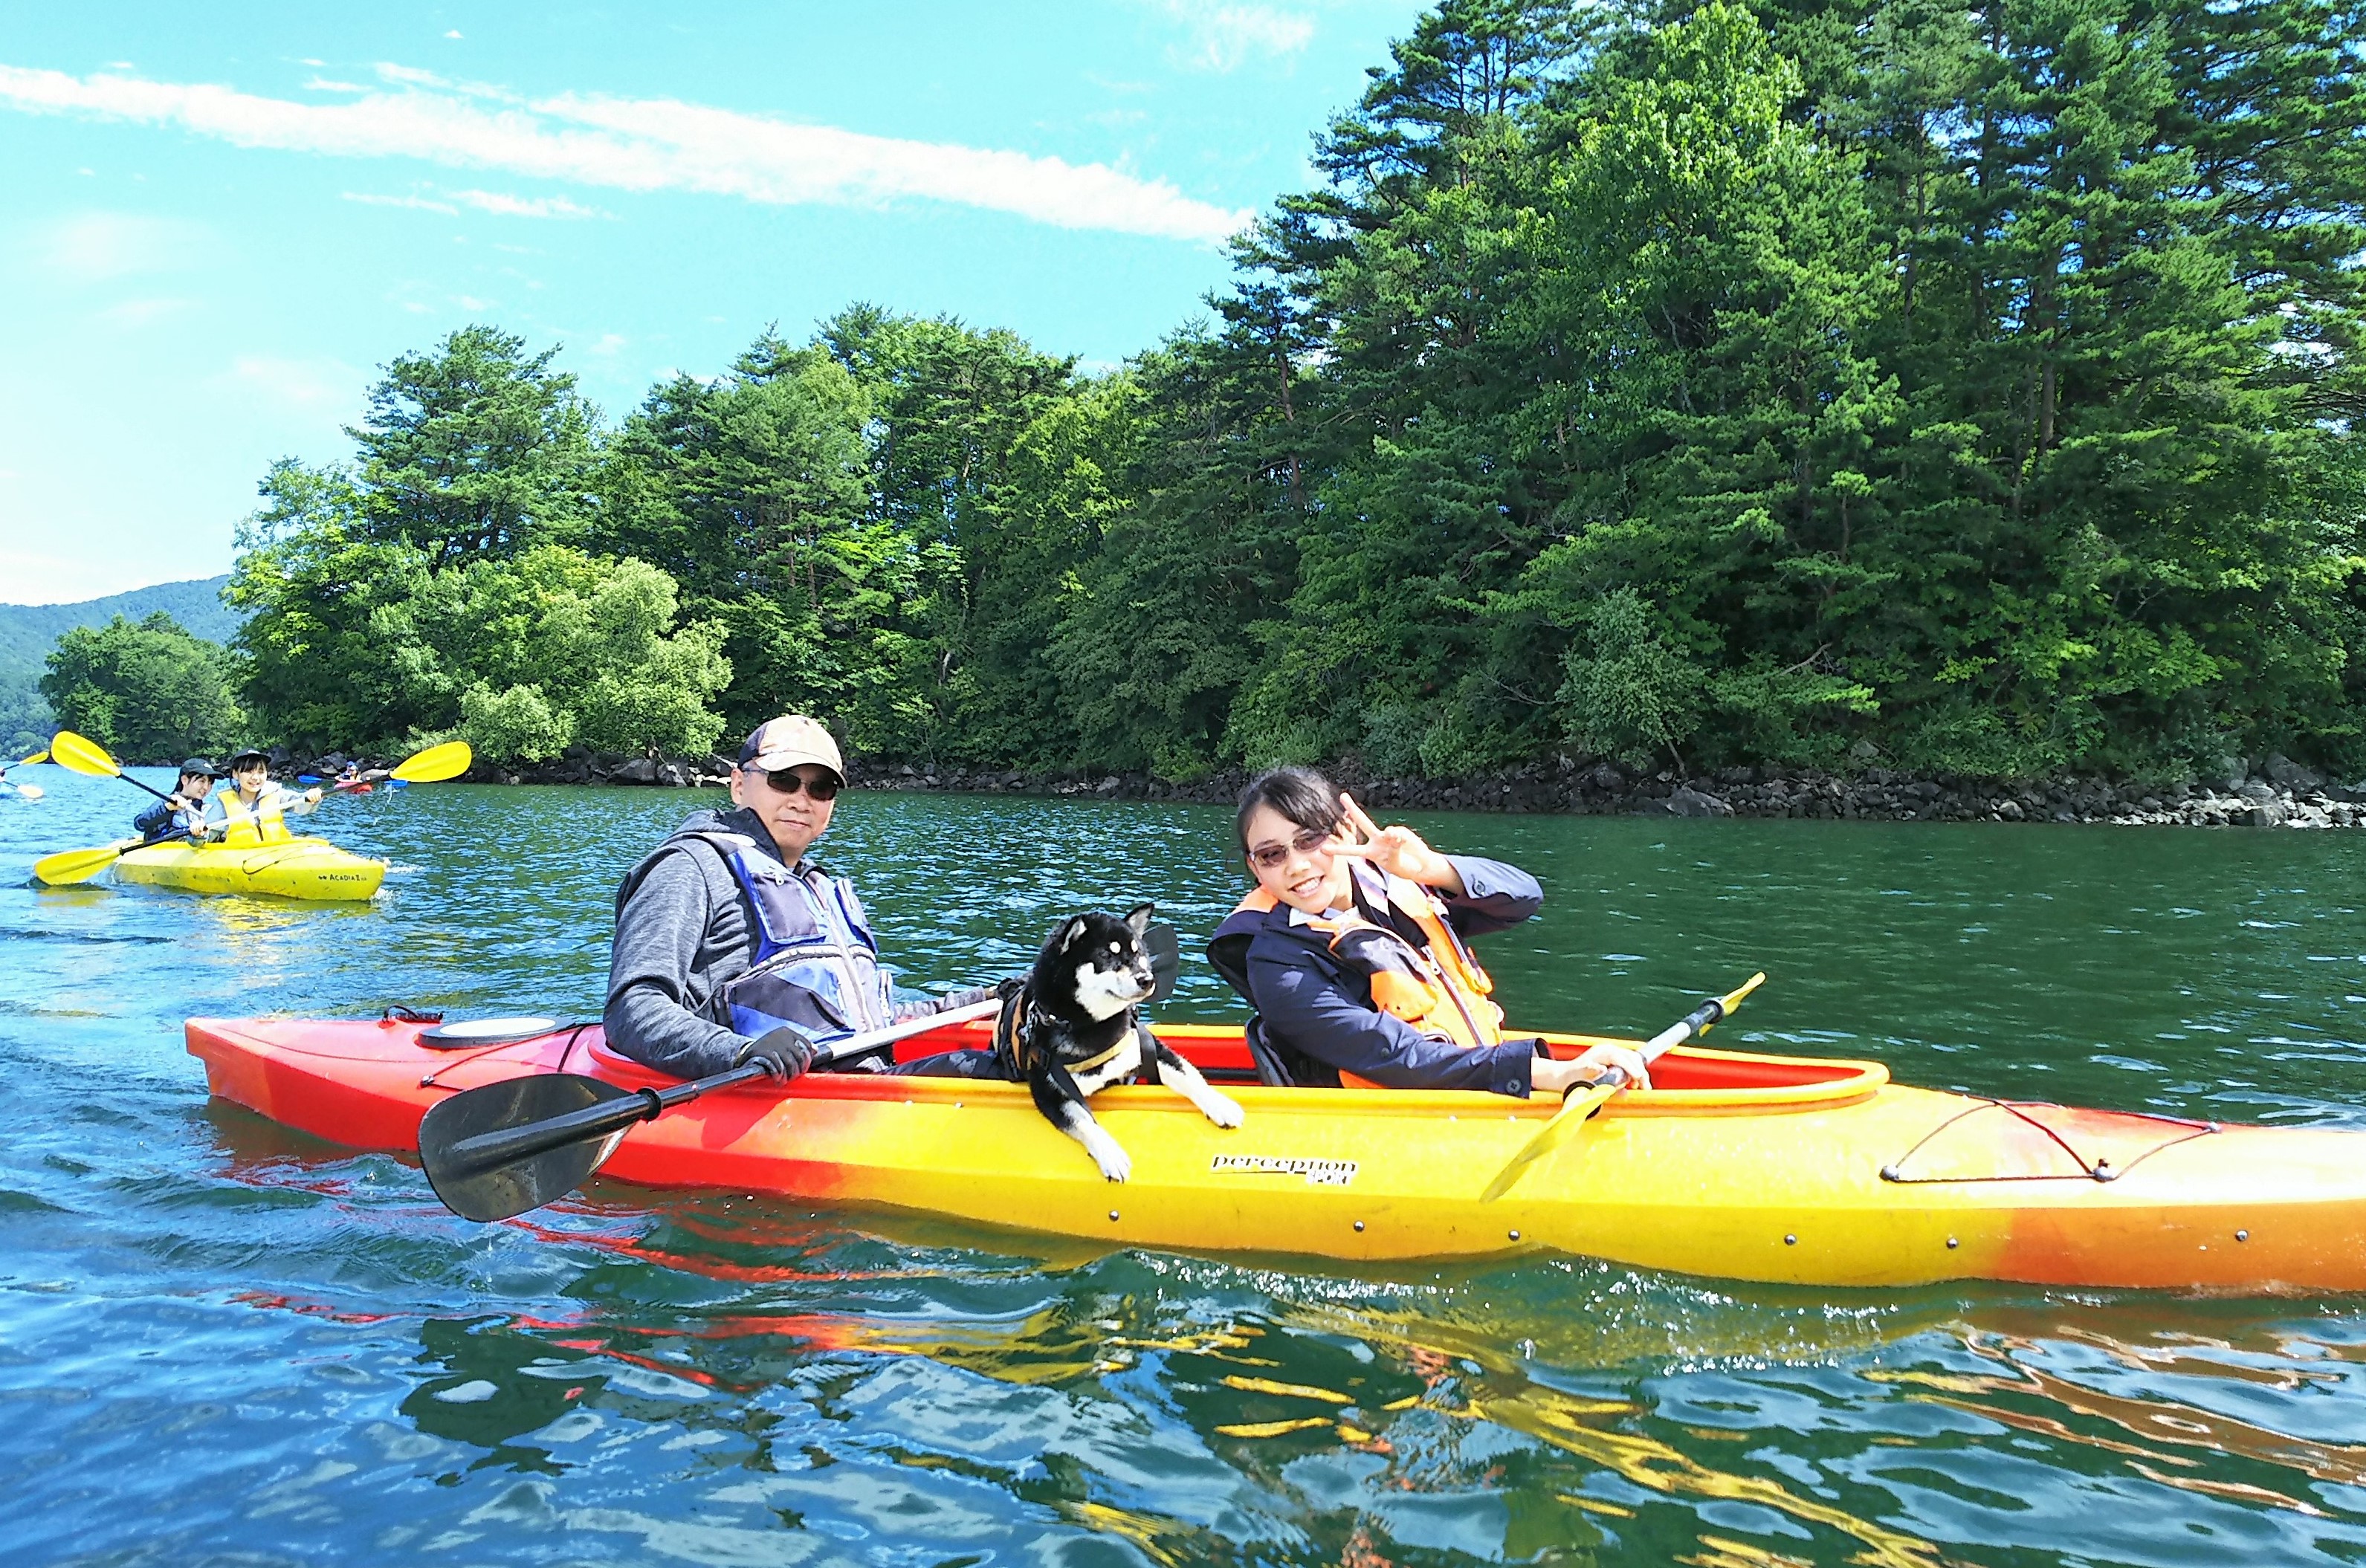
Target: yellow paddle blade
31, 791
1574, 1109
1732, 999
70, 750
435, 764
79, 864
41, 755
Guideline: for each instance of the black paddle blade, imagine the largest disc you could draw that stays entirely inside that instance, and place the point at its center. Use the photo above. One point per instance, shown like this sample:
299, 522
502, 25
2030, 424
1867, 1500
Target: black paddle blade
1165, 959
495, 1152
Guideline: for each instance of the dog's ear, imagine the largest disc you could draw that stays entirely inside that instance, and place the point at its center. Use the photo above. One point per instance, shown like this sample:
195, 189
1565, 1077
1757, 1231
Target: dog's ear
1064, 935
1137, 919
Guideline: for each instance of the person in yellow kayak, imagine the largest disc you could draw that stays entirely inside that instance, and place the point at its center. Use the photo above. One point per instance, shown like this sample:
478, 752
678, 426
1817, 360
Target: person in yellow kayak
1352, 951
253, 809
733, 945
182, 812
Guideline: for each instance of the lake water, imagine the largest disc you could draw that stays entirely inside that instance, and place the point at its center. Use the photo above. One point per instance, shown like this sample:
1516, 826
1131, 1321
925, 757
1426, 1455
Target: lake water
221, 1342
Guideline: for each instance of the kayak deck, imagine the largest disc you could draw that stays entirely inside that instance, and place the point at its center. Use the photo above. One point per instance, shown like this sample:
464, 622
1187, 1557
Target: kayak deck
1737, 1165
310, 868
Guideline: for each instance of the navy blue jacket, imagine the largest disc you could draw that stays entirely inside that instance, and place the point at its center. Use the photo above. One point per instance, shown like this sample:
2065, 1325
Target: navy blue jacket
1314, 1015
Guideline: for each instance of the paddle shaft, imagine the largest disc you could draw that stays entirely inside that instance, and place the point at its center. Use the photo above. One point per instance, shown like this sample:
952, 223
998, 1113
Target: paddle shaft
1576, 1108
488, 1151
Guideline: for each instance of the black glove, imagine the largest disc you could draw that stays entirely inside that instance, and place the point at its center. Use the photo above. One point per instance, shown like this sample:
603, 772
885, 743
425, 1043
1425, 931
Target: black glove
783, 1053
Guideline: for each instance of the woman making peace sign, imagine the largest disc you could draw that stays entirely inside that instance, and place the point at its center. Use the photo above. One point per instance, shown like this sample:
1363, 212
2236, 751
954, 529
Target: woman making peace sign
1351, 951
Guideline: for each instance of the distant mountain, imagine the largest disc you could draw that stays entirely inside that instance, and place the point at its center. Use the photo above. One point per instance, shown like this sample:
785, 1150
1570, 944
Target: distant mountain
27, 632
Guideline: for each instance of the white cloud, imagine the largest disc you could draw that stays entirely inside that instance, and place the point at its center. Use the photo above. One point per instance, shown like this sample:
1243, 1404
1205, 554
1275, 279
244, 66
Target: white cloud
93, 247
453, 34
324, 85
1225, 37
424, 203
500, 203
328, 384
526, 206
131, 315
642, 145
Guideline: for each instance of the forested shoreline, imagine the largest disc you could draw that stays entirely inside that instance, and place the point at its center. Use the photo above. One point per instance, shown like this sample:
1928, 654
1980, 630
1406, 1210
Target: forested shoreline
1934, 390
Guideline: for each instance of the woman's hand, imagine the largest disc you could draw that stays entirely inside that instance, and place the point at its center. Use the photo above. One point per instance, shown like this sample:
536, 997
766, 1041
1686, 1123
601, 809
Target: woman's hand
1397, 850
1553, 1076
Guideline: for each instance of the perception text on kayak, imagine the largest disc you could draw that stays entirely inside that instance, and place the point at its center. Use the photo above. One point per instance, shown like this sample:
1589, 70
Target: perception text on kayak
1318, 1172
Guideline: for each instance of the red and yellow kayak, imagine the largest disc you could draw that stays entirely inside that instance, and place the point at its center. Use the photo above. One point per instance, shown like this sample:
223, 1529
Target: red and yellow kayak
1741, 1166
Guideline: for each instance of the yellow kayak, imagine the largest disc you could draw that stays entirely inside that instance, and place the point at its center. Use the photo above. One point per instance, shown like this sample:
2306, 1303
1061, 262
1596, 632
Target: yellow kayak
292, 869
1799, 1169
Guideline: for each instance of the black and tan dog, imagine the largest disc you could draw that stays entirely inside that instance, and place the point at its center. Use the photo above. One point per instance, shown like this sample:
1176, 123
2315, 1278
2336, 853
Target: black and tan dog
1071, 1028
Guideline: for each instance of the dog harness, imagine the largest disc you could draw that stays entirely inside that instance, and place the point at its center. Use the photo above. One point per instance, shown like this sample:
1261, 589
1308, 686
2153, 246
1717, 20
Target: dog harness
1011, 1028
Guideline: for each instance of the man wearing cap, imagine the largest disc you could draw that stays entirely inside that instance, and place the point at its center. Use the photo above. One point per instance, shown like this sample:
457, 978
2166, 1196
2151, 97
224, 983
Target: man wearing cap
732, 947
251, 811
183, 811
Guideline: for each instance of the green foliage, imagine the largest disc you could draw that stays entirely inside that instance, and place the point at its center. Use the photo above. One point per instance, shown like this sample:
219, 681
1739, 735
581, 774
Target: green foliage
558, 648
428, 588
1972, 386
478, 449
148, 692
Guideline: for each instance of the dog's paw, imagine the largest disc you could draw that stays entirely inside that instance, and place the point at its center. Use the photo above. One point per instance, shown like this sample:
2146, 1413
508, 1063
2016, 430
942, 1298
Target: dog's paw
1222, 1110
1110, 1155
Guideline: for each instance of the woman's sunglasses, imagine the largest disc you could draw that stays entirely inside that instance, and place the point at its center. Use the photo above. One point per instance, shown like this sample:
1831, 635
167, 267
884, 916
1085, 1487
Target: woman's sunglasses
788, 781
1273, 856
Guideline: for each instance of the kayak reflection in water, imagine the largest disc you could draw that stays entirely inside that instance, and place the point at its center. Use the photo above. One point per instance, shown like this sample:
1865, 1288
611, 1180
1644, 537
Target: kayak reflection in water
733, 948
1351, 951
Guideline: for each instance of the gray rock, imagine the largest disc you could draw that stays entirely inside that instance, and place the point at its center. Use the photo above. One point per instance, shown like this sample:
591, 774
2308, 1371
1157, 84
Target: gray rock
673, 774
639, 770
1688, 801
2286, 774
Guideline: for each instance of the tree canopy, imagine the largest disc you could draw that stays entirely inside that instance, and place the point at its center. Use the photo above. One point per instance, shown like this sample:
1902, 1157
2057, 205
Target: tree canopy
147, 691
1782, 382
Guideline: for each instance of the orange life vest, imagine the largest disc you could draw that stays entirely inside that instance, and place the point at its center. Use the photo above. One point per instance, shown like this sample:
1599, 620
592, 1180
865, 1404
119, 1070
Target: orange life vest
1437, 986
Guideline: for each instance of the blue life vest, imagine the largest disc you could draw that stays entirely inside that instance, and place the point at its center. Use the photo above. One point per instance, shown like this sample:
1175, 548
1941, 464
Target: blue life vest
816, 967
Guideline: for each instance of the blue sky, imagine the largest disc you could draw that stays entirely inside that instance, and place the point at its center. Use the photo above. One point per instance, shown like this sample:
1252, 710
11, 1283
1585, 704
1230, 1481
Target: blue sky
216, 222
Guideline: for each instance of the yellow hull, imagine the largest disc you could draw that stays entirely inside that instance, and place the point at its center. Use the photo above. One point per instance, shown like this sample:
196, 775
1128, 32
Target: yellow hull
1801, 1171
294, 869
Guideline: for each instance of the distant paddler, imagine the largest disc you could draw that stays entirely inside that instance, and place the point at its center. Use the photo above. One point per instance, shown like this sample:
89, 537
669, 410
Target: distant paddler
253, 809
734, 947
183, 811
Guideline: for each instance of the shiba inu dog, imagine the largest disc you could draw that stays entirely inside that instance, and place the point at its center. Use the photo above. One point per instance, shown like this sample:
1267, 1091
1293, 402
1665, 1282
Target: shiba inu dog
1071, 1028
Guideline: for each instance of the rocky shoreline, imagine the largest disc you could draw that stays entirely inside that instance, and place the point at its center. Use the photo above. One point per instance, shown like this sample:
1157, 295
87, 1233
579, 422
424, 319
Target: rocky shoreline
2272, 792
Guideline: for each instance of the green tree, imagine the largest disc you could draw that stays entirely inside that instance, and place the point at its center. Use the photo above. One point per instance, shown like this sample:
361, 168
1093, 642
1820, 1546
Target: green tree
150, 691
476, 449
558, 648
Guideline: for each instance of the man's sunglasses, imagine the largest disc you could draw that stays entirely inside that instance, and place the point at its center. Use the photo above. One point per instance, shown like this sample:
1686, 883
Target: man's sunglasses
788, 781
1273, 856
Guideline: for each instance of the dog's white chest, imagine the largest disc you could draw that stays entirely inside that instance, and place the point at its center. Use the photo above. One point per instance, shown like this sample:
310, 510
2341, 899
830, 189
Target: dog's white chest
1119, 1064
